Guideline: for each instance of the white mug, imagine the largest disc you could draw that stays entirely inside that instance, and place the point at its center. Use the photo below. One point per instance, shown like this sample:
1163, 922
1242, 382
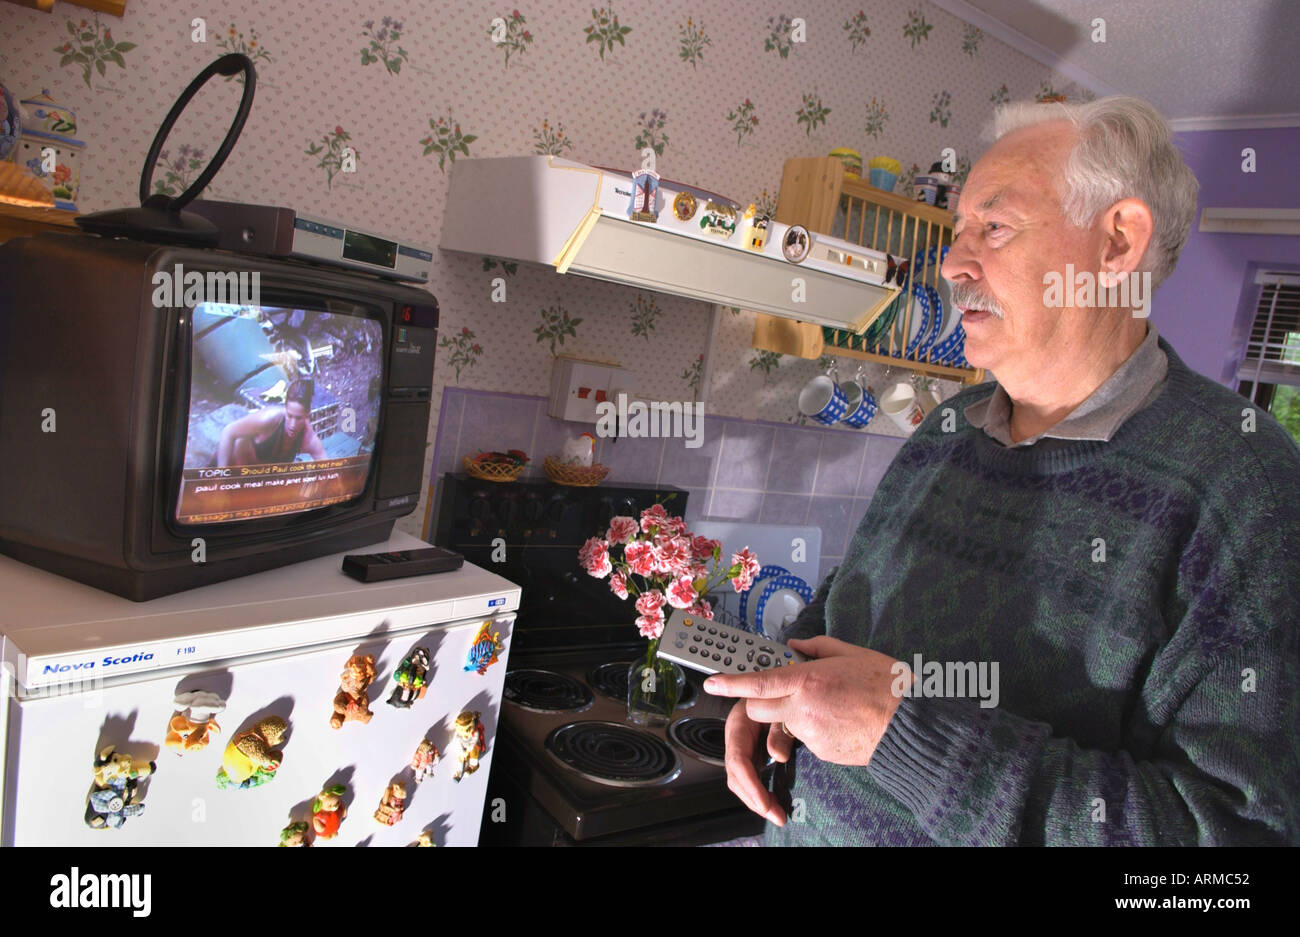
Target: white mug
899, 403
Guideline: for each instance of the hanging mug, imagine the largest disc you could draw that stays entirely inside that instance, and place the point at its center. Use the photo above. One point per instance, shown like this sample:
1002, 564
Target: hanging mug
822, 400
862, 403
900, 405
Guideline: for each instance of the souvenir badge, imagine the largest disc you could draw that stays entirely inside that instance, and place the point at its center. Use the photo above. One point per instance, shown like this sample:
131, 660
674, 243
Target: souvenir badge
796, 244
684, 206
295, 834
251, 758
718, 219
193, 720
485, 650
424, 839
757, 228
392, 804
412, 679
351, 704
424, 760
645, 196
115, 791
472, 741
328, 811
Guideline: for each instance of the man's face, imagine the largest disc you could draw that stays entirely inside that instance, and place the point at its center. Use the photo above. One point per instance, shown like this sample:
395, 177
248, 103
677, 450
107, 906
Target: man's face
1011, 231
295, 419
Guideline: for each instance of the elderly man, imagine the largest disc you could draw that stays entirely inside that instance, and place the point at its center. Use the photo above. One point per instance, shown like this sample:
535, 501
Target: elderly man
1108, 537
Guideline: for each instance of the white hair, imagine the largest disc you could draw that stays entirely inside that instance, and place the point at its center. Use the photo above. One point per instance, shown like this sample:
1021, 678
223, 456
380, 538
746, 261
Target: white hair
1124, 150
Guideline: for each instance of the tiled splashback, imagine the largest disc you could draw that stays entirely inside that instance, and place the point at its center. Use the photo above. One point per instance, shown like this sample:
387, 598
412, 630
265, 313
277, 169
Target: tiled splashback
744, 470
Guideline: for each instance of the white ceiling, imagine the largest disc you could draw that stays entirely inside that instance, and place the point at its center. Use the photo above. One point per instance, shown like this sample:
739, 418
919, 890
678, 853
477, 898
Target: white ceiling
1200, 62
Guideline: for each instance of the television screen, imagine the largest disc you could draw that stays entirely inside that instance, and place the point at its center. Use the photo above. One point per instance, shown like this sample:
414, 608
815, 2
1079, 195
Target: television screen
283, 410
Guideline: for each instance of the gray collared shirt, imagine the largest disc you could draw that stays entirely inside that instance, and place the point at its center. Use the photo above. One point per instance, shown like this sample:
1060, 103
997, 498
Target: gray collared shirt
1135, 384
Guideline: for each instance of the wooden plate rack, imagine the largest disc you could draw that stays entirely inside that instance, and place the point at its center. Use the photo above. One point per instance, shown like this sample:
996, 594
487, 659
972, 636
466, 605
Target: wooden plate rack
816, 194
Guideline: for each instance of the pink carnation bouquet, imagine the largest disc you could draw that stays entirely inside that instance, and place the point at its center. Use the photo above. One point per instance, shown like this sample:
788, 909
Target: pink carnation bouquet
658, 562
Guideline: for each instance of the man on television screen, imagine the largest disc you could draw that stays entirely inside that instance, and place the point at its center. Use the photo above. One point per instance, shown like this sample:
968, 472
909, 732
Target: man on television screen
273, 434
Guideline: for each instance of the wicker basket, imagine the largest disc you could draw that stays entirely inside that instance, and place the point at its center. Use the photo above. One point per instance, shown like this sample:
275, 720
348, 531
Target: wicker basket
492, 471
581, 476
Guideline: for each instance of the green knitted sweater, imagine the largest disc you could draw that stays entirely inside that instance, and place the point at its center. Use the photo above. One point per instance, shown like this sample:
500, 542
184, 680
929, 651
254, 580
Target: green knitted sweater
1141, 598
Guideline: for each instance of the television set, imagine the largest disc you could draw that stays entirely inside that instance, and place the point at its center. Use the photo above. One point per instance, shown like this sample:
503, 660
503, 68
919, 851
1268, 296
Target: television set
175, 416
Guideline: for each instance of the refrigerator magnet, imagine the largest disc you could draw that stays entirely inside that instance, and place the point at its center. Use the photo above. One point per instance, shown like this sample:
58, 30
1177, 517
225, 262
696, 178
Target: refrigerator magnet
483, 653
424, 760
251, 758
328, 811
412, 679
295, 834
392, 804
115, 793
351, 704
193, 720
472, 741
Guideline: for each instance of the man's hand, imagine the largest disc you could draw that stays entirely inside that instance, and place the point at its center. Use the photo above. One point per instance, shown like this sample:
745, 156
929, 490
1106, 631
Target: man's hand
838, 704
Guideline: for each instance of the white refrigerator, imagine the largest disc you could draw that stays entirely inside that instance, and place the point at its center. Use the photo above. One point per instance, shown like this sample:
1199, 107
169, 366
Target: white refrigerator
84, 670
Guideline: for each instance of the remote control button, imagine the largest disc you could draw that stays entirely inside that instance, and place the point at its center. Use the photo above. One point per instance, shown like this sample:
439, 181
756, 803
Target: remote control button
769, 650
749, 656
764, 660
694, 649
789, 655
717, 657
709, 642
696, 637
679, 644
731, 648
701, 626
740, 666
713, 631
749, 640
727, 661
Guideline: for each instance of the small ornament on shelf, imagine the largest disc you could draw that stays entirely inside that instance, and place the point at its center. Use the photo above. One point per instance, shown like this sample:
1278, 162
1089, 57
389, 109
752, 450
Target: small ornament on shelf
328, 811
412, 679
425, 839
351, 703
251, 758
193, 720
472, 741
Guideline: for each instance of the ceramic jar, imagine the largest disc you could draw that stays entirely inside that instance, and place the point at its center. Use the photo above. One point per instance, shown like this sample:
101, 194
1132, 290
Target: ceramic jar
49, 130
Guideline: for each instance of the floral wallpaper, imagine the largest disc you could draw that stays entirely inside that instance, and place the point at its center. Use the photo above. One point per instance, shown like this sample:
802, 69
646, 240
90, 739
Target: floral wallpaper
362, 111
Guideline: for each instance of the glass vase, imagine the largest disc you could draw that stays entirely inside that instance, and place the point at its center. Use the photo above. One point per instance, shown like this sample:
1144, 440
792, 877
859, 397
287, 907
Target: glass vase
654, 686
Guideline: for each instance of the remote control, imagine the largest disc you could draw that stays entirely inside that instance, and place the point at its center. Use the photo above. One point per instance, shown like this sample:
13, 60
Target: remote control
376, 567
712, 647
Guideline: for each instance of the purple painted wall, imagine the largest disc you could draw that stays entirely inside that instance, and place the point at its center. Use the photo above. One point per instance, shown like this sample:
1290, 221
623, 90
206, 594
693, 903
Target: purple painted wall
1205, 307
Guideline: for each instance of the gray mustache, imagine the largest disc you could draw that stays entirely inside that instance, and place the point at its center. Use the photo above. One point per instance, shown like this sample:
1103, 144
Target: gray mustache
968, 297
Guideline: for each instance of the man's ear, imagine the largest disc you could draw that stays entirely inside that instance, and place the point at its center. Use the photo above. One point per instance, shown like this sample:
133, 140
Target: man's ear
1127, 226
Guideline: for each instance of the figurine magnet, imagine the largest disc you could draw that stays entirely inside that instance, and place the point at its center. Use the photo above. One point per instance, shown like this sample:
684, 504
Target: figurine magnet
115, 790
796, 244
193, 720
412, 679
472, 741
351, 704
392, 805
424, 760
295, 834
251, 759
718, 219
328, 811
424, 839
485, 649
